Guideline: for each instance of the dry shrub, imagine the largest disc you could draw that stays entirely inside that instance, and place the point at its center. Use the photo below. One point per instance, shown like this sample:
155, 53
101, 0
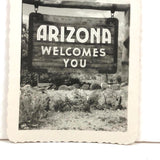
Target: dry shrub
34, 108
80, 102
59, 105
93, 100
122, 119
119, 79
65, 105
28, 77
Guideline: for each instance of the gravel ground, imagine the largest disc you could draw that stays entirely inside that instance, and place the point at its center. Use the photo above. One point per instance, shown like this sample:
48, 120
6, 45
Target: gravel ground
98, 120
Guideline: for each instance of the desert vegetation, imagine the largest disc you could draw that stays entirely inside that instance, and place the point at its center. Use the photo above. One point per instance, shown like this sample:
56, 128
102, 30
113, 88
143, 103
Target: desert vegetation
49, 108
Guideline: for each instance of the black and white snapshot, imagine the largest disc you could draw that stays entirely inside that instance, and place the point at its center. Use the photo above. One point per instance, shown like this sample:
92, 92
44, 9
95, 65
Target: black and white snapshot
74, 66
74, 71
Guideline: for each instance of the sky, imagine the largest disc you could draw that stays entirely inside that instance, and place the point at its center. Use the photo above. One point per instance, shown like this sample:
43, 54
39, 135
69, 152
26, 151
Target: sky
27, 9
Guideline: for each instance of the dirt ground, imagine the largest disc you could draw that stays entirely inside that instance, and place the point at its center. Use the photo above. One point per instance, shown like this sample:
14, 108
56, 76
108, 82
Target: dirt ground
98, 120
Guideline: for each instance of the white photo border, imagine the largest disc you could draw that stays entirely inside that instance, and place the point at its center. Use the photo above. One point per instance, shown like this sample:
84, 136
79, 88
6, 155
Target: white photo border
16, 135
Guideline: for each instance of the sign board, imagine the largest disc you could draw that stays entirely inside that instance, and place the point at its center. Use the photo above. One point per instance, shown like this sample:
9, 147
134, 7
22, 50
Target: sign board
62, 42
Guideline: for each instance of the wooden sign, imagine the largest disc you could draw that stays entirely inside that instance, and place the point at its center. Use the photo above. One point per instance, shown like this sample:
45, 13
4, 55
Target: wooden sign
58, 43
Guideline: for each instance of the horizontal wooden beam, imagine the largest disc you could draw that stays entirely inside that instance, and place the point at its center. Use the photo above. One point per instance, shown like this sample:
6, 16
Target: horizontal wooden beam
79, 5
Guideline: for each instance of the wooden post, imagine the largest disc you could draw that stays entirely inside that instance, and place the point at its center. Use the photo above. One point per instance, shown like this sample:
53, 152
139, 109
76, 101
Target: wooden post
79, 4
125, 50
38, 78
107, 78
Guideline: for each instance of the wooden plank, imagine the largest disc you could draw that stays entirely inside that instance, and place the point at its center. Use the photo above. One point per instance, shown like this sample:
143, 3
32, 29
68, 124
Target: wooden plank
51, 65
77, 22
109, 49
80, 5
108, 59
89, 21
90, 61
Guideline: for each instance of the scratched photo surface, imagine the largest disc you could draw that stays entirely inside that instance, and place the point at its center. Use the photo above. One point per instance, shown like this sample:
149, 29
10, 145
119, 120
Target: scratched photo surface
74, 69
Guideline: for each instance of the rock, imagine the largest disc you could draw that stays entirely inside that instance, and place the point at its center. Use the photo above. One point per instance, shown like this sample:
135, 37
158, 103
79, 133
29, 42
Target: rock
95, 86
120, 107
76, 85
52, 86
85, 87
115, 87
63, 87
71, 88
122, 119
44, 85
23, 126
27, 87
104, 86
124, 84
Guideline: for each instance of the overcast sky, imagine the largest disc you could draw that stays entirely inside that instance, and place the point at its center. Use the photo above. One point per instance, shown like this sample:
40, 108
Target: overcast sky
27, 9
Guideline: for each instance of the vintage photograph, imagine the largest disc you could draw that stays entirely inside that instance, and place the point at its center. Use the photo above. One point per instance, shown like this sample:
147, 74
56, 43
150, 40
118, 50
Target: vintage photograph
74, 71
74, 68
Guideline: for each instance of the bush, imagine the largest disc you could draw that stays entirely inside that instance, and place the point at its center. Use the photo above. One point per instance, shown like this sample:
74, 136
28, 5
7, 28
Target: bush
59, 105
33, 109
93, 100
122, 119
28, 77
87, 108
95, 86
119, 79
69, 102
80, 102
